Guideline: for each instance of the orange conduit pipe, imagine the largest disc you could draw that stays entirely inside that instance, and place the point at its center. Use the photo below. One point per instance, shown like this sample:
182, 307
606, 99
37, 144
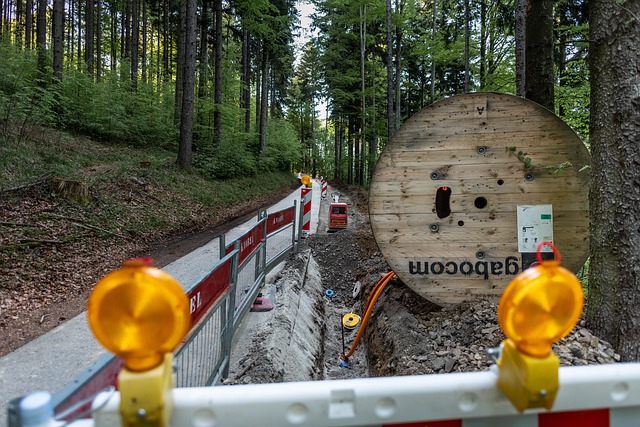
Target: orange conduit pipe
371, 302
373, 291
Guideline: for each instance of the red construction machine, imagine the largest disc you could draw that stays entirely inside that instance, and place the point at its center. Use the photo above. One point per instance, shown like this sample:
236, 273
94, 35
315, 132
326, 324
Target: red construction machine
338, 214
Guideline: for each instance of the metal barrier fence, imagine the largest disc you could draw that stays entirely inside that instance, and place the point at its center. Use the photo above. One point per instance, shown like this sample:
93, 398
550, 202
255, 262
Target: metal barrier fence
219, 301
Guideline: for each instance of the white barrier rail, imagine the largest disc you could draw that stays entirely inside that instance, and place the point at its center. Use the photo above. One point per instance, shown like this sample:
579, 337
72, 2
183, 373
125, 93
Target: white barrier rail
589, 396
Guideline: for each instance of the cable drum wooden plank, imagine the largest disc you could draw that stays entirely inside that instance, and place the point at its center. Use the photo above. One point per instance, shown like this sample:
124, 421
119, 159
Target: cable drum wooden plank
493, 152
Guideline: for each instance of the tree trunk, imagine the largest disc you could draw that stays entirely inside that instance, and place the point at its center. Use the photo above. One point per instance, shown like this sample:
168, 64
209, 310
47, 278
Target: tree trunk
483, 44
71, 33
204, 51
127, 30
433, 61
165, 45
264, 105
390, 127
539, 74
355, 143
491, 63
181, 52
337, 148
521, 18
188, 78
363, 101
613, 305
114, 26
246, 79
158, 56
19, 31
28, 24
203, 76
314, 151
144, 42
81, 59
89, 36
350, 135
562, 43
58, 28
272, 90
398, 102
2, 20
98, 40
135, 34
41, 39
259, 59
217, 76
373, 143
303, 140
467, 23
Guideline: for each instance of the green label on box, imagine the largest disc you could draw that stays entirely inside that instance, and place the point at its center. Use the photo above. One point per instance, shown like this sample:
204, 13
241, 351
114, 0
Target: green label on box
545, 216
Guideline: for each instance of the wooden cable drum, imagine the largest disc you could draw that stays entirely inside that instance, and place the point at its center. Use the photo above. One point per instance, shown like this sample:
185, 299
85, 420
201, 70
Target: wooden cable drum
448, 191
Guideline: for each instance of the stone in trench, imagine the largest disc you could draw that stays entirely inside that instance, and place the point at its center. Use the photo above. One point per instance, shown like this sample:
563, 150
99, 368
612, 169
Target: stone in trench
449, 363
438, 363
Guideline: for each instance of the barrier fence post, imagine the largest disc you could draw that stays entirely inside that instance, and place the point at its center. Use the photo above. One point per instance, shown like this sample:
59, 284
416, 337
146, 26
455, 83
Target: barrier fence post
261, 255
323, 194
299, 227
223, 245
306, 208
294, 248
228, 333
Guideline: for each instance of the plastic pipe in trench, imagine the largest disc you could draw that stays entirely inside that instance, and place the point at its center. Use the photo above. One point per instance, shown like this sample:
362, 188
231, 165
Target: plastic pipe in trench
371, 302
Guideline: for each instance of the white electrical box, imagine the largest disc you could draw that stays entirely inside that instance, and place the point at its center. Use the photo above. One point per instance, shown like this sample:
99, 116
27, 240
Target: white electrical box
535, 224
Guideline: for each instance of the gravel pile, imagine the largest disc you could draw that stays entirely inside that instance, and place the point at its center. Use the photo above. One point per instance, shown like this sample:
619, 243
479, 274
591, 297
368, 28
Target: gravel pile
404, 342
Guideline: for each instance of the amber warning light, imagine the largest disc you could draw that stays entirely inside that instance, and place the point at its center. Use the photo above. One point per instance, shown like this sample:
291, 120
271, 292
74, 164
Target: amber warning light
139, 313
538, 308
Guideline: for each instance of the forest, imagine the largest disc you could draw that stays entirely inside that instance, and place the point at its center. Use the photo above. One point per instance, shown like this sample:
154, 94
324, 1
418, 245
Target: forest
222, 84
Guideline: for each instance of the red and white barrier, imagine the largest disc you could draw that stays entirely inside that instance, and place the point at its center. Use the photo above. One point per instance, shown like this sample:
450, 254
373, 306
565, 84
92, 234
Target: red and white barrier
306, 210
589, 396
324, 189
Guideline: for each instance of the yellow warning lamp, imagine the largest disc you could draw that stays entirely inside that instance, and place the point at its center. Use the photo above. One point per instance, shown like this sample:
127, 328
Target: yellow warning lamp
305, 180
141, 314
538, 308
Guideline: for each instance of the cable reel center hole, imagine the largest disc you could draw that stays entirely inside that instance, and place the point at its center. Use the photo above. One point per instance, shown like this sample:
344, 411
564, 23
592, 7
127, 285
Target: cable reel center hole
480, 202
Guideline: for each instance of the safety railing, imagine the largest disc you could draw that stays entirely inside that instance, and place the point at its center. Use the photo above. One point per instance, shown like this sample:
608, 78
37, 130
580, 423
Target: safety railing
219, 300
589, 396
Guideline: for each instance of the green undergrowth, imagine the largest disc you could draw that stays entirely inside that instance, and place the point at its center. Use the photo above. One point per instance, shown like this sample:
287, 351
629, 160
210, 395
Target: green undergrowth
125, 191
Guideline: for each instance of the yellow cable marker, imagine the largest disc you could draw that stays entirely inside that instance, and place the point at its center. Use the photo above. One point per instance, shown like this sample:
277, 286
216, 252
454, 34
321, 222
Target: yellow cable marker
141, 314
538, 308
350, 320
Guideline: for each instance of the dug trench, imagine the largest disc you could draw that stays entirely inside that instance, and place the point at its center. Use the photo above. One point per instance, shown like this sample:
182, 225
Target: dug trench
333, 274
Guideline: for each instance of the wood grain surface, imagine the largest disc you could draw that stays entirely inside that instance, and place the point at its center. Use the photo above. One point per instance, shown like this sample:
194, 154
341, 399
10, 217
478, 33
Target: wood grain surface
494, 152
